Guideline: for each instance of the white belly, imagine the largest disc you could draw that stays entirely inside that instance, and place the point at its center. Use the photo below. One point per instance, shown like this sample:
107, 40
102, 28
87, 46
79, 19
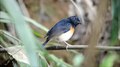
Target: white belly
66, 36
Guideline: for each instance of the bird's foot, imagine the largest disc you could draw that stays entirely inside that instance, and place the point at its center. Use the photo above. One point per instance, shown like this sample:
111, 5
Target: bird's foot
67, 45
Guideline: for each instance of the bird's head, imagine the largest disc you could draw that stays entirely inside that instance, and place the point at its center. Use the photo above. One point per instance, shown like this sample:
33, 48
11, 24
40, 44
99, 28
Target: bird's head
74, 20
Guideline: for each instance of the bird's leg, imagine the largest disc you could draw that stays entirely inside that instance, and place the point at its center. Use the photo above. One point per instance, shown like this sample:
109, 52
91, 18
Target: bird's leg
67, 45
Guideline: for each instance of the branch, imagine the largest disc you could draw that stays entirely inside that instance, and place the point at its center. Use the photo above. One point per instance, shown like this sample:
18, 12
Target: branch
78, 47
78, 10
72, 47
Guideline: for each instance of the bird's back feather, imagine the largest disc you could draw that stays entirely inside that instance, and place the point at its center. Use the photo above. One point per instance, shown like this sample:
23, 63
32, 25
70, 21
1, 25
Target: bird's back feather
60, 28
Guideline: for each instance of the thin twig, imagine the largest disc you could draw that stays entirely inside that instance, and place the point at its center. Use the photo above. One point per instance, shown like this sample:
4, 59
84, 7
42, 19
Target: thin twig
23, 8
77, 9
78, 47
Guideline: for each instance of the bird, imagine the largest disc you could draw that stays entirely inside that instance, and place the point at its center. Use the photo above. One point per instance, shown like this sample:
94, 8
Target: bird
63, 30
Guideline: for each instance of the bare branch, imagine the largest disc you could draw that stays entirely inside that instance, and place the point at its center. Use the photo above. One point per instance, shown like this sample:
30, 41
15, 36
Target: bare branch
72, 47
78, 47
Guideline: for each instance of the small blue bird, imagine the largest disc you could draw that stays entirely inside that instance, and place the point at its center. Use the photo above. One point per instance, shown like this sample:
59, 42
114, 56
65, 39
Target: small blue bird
63, 30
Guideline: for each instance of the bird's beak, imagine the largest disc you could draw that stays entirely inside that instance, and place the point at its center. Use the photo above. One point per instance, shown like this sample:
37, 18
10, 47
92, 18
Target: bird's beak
82, 21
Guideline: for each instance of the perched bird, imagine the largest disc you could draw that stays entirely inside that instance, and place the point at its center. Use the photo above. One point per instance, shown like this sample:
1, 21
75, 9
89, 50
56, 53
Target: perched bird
63, 30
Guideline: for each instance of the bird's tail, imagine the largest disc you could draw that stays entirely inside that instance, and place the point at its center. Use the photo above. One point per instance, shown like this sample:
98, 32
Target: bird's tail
45, 42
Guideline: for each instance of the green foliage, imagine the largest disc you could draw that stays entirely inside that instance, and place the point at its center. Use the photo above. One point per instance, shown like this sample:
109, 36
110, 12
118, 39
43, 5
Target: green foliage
77, 60
5, 18
57, 62
23, 30
109, 60
36, 24
115, 22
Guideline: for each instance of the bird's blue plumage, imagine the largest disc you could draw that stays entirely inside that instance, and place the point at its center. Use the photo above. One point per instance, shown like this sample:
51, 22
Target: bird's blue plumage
60, 28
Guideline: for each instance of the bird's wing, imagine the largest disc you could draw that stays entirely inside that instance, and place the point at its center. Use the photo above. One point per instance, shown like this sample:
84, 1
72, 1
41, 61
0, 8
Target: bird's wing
60, 28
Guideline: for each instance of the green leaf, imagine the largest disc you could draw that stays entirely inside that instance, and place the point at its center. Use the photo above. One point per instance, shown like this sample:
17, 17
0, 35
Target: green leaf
58, 62
77, 60
109, 60
36, 24
23, 64
4, 17
36, 33
115, 22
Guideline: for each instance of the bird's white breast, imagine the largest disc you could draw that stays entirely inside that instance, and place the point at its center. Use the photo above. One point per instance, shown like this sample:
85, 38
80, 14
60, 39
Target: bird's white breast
66, 36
